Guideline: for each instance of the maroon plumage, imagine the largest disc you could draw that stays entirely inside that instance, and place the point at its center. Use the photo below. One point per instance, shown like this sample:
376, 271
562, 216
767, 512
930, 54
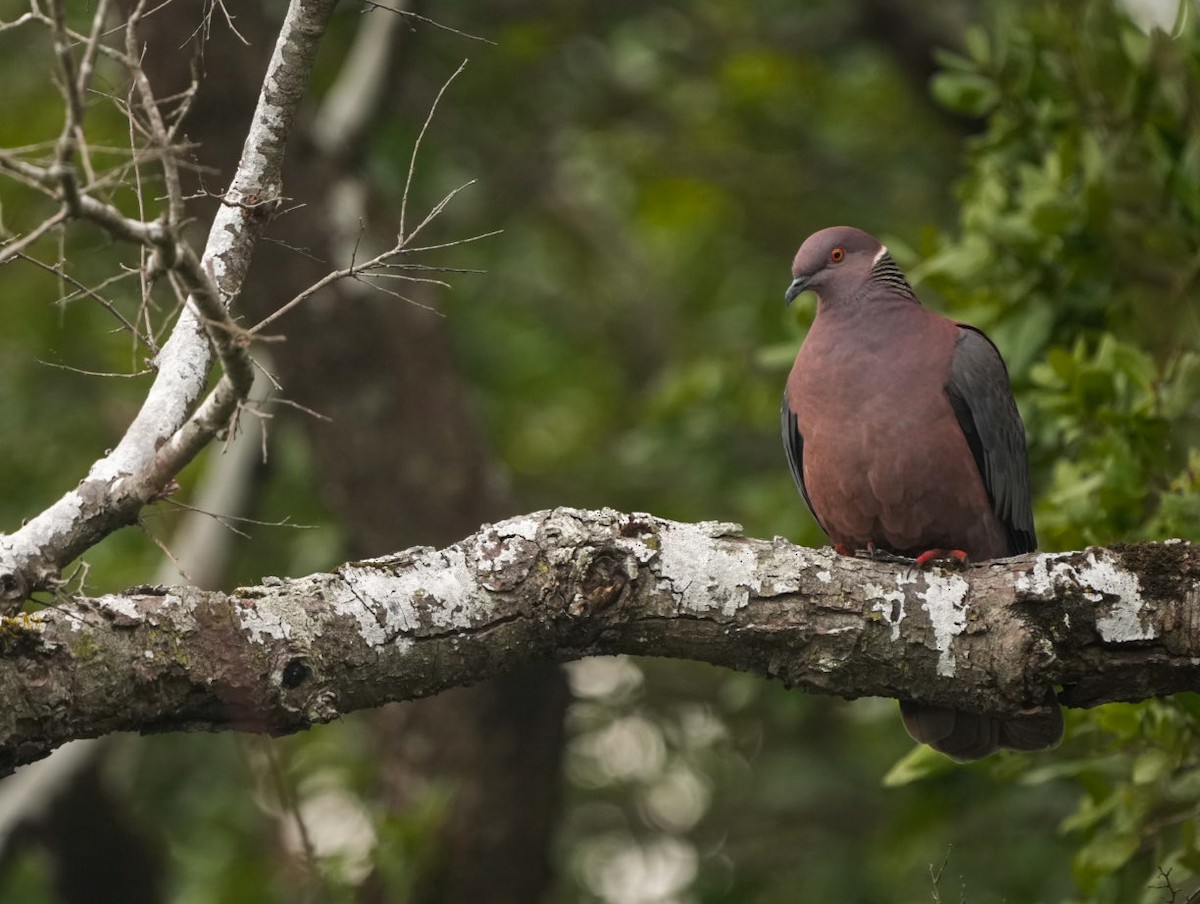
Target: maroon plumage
903, 436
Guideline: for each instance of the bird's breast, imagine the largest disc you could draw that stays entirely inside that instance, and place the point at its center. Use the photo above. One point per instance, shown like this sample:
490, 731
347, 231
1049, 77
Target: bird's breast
885, 460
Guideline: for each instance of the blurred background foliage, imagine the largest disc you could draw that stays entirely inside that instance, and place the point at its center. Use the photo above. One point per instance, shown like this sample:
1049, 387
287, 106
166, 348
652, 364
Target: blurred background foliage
1034, 166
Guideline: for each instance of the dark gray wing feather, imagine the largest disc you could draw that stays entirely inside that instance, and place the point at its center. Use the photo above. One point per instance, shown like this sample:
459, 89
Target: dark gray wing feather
981, 396
793, 444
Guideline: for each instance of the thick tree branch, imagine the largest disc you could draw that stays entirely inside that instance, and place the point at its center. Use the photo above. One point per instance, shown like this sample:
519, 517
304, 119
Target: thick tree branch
1104, 624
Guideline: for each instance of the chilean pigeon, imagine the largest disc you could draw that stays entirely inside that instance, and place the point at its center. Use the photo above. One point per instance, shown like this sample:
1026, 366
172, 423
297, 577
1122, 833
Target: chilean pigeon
903, 437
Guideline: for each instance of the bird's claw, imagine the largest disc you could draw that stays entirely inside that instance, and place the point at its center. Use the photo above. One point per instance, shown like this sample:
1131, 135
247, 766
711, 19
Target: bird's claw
875, 554
952, 558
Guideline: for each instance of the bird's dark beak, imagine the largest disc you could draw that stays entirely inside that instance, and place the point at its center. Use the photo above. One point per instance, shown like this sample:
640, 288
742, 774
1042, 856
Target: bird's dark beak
798, 285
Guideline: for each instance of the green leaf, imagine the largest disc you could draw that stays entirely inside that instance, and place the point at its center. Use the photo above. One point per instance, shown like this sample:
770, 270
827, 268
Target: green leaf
978, 45
1090, 812
1104, 855
1151, 766
919, 763
965, 92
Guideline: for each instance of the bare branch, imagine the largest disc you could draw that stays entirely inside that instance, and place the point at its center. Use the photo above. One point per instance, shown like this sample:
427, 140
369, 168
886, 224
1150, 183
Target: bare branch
93, 373
91, 49
159, 136
94, 293
34, 177
441, 245
19, 21
432, 215
374, 4
17, 246
1104, 624
68, 142
381, 262
206, 24
412, 160
173, 423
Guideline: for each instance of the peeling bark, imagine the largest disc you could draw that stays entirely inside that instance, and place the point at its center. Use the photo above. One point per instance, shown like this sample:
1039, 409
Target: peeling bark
1104, 624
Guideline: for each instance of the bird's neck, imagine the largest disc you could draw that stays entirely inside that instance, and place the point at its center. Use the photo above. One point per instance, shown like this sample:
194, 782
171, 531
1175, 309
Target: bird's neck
887, 276
871, 300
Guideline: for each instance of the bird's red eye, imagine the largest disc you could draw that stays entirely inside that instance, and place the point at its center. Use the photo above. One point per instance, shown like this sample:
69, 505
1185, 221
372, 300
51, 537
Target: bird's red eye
837, 255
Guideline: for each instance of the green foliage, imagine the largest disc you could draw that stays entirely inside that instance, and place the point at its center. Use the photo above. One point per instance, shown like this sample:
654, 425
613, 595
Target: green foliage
1078, 249
1139, 776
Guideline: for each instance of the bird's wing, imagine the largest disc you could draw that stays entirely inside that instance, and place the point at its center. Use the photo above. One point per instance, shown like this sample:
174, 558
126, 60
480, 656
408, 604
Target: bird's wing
982, 399
793, 444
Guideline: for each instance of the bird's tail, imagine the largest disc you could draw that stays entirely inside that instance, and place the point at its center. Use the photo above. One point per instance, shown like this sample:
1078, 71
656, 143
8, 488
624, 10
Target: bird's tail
971, 736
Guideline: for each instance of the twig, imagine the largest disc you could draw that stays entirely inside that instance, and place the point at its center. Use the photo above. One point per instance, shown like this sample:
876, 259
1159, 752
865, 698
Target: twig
206, 24
936, 875
35, 177
374, 4
402, 297
64, 163
94, 292
91, 49
17, 246
282, 522
19, 21
441, 245
355, 270
379, 262
432, 215
166, 551
412, 160
293, 404
86, 66
157, 129
94, 373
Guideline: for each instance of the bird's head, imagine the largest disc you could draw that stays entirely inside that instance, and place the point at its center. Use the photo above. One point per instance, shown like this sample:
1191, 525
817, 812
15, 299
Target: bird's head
837, 263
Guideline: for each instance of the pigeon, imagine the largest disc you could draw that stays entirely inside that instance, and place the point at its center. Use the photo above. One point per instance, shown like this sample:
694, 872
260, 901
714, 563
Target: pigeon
903, 438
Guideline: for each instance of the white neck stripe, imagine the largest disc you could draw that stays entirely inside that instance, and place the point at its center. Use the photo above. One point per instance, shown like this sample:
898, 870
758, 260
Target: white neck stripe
879, 255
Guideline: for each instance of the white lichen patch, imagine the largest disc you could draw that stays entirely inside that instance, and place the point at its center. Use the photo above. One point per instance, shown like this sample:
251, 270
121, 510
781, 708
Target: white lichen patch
945, 599
1123, 622
721, 528
170, 608
283, 615
705, 574
640, 551
499, 548
824, 577
890, 605
436, 590
370, 627
263, 623
120, 605
1040, 578
526, 527
1099, 579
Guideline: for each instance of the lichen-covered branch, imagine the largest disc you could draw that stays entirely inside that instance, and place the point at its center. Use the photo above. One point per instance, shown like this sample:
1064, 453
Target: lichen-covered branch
1100, 624
180, 415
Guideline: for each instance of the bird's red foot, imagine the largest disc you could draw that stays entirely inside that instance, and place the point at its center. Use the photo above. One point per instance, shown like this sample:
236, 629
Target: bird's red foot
954, 557
842, 549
